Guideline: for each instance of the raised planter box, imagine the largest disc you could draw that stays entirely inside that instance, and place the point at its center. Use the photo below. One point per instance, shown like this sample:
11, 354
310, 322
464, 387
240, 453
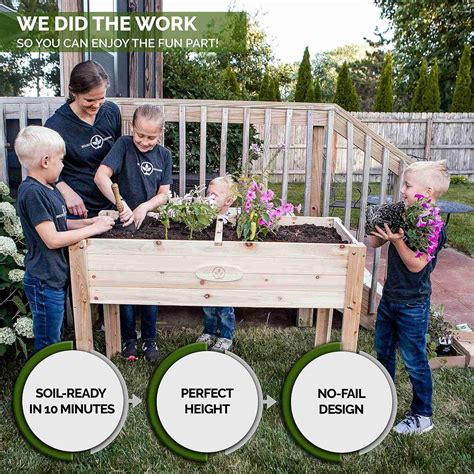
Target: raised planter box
215, 273
463, 344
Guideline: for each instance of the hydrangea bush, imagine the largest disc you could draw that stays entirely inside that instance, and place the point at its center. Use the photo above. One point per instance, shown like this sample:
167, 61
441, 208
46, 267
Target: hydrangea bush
16, 325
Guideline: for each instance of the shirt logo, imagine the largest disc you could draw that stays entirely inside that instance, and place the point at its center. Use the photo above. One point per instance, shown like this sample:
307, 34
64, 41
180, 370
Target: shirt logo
96, 142
63, 214
147, 168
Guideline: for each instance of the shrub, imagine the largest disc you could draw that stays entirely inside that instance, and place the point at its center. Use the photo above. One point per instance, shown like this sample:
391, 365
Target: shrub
459, 179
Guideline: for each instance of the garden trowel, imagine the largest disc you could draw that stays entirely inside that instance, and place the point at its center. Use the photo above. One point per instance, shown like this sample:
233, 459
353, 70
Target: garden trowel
119, 204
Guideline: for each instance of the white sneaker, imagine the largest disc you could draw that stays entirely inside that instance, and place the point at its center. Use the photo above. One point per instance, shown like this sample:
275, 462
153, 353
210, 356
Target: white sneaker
414, 424
207, 338
222, 344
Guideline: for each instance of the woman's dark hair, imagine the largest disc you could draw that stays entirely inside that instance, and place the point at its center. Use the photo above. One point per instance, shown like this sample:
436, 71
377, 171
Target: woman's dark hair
86, 76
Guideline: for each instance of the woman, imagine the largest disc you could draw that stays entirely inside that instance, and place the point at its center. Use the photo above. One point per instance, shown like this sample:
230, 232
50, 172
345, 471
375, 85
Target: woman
89, 126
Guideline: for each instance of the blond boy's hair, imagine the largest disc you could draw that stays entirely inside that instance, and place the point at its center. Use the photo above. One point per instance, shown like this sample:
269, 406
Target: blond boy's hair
227, 181
149, 113
434, 174
35, 142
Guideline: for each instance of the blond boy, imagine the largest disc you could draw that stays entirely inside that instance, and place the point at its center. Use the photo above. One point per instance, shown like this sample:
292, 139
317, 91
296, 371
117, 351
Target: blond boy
403, 312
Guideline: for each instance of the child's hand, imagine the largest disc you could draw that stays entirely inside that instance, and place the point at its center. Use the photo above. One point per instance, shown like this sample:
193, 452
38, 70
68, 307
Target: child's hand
387, 234
126, 216
102, 224
139, 214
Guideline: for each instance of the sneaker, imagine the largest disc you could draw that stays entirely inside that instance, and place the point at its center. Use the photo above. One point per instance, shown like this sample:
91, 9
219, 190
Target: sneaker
150, 351
222, 344
207, 338
129, 350
414, 424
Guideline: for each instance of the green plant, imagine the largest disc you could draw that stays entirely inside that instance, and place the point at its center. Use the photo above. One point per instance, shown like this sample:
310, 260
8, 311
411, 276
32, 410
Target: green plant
16, 325
346, 95
462, 96
438, 328
384, 97
459, 179
305, 79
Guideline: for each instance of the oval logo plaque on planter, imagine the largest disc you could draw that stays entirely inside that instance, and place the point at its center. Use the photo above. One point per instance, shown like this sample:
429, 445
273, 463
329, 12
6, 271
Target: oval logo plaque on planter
219, 273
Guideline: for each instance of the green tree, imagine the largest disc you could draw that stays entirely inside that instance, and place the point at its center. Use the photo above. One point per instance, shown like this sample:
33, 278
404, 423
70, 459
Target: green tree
417, 104
310, 96
230, 83
304, 78
276, 89
462, 101
266, 88
432, 98
384, 97
317, 91
431, 29
346, 95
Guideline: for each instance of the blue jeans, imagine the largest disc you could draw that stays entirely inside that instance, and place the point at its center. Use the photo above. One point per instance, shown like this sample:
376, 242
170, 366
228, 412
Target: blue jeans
219, 322
405, 325
47, 307
149, 315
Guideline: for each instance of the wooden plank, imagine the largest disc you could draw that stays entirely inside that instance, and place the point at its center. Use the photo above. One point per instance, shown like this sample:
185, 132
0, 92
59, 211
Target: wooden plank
349, 174
286, 157
3, 150
219, 231
397, 183
209, 297
365, 188
428, 138
223, 150
309, 164
375, 267
305, 317
81, 296
323, 326
327, 172
44, 112
189, 279
23, 124
112, 329
182, 150
343, 231
245, 138
202, 149
316, 171
353, 298
266, 141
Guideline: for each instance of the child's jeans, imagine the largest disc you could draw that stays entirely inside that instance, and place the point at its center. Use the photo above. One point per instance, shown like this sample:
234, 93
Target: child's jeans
219, 322
149, 315
405, 325
47, 307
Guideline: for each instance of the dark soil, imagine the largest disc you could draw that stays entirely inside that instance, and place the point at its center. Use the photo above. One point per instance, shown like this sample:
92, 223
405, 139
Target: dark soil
154, 230
391, 214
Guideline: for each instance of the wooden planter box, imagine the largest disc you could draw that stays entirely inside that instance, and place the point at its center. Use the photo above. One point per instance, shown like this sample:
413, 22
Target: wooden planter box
215, 273
463, 344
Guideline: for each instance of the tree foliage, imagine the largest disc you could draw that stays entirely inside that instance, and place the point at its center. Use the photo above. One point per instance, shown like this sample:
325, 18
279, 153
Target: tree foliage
384, 97
417, 103
304, 80
346, 95
462, 96
432, 98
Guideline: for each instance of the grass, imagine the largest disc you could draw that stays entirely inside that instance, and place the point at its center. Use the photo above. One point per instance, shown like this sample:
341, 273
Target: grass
271, 352
461, 226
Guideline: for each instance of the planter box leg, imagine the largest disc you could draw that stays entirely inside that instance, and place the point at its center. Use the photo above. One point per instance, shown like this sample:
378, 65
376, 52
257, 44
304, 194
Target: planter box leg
323, 326
80, 297
353, 300
305, 317
112, 329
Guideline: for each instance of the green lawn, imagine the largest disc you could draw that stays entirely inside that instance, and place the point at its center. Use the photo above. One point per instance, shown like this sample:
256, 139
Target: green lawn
461, 226
270, 352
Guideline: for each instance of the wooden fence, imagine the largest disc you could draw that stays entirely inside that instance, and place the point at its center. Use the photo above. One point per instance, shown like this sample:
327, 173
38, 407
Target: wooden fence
322, 125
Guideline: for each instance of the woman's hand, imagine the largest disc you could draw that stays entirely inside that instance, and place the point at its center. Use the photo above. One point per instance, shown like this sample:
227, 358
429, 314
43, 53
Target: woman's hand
126, 216
74, 203
139, 214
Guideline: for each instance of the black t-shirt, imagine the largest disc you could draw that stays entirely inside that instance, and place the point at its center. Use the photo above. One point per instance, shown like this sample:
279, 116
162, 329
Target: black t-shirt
139, 175
86, 147
36, 204
404, 286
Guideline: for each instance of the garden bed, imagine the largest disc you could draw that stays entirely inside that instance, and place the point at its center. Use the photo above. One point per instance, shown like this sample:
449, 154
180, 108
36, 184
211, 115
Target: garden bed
128, 269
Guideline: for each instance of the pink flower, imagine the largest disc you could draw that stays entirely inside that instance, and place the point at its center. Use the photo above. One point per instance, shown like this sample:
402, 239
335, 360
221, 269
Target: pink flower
267, 196
420, 223
429, 258
287, 208
419, 196
298, 208
426, 206
419, 254
261, 222
251, 195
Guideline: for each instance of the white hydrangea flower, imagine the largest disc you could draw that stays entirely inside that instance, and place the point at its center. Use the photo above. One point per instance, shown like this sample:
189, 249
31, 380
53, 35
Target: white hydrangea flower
7, 336
24, 327
16, 275
7, 246
4, 189
7, 211
19, 259
13, 228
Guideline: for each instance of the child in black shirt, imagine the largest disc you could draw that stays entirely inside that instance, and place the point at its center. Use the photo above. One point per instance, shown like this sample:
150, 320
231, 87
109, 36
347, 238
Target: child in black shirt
142, 169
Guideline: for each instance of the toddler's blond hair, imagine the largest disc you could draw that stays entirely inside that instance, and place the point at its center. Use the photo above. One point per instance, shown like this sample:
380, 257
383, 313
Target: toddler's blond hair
434, 174
227, 181
35, 142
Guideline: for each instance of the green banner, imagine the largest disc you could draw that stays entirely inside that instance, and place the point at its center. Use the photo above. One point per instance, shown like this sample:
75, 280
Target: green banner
126, 32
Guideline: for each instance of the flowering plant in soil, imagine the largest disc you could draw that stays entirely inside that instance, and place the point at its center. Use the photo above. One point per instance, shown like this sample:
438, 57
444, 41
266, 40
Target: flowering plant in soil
16, 325
193, 210
258, 212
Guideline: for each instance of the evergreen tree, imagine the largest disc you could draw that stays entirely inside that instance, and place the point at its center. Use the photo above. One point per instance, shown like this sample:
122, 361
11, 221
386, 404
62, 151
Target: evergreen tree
264, 87
229, 79
346, 95
310, 93
384, 97
304, 78
432, 97
276, 89
420, 91
317, 91
462, 101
